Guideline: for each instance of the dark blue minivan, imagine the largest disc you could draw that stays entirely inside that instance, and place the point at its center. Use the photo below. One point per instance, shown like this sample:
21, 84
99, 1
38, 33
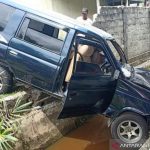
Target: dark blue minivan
82, 65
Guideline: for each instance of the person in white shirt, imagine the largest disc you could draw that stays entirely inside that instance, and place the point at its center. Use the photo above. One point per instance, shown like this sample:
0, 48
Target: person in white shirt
84, 19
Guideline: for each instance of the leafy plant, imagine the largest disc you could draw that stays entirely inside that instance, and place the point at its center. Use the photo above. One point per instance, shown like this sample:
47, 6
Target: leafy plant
6, 136
9, 123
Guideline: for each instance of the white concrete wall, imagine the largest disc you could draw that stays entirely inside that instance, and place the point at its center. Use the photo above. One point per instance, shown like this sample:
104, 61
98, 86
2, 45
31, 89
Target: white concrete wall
70, 8
73, 8
36, 4
131, 28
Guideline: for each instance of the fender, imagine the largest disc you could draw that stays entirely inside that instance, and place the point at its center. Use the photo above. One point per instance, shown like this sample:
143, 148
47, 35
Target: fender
5, 65
124, 110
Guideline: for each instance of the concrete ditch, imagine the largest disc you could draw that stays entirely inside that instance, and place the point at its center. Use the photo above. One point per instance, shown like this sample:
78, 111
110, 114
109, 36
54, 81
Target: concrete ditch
40, 128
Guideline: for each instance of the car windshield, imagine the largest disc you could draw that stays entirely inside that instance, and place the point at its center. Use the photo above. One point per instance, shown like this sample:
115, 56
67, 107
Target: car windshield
120, 57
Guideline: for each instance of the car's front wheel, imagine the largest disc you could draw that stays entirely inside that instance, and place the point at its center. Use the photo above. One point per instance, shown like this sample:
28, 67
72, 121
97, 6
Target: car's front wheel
6, 81
130, 128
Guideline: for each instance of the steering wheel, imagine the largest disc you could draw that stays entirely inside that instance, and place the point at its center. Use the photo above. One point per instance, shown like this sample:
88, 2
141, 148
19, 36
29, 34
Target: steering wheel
105, 66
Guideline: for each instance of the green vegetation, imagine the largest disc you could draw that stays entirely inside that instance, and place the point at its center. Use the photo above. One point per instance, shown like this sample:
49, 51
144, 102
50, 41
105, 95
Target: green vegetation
9, 121
6, 95
6, 135
148, 67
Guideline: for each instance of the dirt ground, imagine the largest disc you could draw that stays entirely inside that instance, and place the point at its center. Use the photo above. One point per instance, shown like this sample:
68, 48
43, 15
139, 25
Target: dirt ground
93, 135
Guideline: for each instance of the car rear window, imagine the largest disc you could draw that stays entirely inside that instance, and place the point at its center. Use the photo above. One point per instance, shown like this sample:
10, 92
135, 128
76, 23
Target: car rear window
5, 14
43, 35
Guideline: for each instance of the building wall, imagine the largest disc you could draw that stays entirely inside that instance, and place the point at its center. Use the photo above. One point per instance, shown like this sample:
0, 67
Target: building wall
131, 28
73, 8
36, 4
138, 31
66, 7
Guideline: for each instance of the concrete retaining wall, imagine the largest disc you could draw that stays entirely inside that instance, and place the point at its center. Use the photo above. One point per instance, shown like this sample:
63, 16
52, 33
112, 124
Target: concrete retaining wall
40, 127
131, 28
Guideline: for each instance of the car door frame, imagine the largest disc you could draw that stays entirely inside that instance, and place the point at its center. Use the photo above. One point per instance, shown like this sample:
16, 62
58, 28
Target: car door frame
65, 47
76, 111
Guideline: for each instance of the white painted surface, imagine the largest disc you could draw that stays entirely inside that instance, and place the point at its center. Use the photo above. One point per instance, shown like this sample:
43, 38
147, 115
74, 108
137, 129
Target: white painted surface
70, 8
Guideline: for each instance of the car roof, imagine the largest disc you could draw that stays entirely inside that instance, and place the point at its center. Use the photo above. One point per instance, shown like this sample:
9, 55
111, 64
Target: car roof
59, 18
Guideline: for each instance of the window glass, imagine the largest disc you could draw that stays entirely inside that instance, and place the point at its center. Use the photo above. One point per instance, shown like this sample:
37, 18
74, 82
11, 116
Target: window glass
62, 35
42, 35
5, 14
90, 60
22, 32
116, 54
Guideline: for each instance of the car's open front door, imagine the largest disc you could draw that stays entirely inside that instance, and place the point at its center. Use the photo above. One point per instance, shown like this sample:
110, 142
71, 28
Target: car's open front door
88, 95
90, 90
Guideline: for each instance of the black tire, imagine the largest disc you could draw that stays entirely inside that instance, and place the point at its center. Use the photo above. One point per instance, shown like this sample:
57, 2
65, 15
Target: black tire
119, 128
6, 81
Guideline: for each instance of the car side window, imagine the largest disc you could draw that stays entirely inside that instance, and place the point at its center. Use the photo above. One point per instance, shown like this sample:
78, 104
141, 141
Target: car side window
91, 58
6, 12
42, 35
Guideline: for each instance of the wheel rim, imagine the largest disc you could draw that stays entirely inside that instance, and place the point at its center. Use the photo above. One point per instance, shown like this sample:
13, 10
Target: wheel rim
1, 84
129, 131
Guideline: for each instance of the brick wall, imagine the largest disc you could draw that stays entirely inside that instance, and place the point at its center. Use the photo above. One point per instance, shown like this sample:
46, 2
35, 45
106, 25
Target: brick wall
131, 28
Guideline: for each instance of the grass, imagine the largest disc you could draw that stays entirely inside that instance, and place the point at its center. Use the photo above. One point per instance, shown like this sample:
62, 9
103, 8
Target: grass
5, 95
9, 123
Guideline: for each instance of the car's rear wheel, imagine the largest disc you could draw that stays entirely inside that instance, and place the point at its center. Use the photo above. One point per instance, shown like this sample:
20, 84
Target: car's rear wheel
130, 128
6, 81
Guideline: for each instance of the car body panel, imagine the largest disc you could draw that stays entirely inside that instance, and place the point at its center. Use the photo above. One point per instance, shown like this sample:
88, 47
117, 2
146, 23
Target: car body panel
88, 95
8, 33
32, 64
35, 65
130, 96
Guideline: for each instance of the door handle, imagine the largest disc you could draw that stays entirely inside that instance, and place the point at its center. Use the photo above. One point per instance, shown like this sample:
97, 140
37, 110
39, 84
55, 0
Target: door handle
73, 94
11, 52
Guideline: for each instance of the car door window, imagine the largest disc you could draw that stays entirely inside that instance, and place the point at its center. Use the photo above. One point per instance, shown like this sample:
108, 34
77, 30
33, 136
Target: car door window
91, 60
115, 52
6, 13
88, 58
42, 35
